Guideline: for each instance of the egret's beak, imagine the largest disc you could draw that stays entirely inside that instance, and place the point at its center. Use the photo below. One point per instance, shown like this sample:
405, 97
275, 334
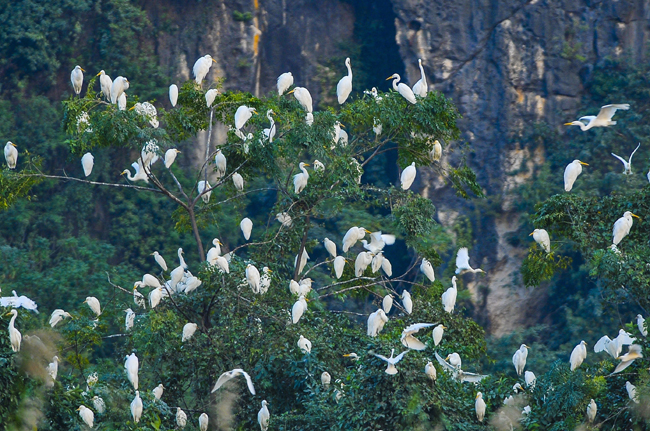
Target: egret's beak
150, 254
531, 233
476, 397
634, 215
447, 357
269, 270
132, 108
82, 68
307, 164
583, 163
123, 172
13, 145
135, 286
7, 314
347, 355
390, 77
367, 231
219, 242
527, 347
444, 327
178, 151
341, 125
214, 60
79, 409
97, 74
568, 124
291, 91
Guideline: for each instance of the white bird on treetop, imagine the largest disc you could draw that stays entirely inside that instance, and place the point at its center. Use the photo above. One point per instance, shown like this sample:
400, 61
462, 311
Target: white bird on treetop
284, 82
408, 176
304, 98
622, 227
571, 172
202, 67
344, 87
402, 88
541, 237
519, 359
420, 88
77, 78
11, 154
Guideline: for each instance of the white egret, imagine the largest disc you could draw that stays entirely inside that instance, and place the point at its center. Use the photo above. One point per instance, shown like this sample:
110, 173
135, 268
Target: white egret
202, 67
592, 409
92, 379
614, 347
181, 418
303, 261
263, 416
204, 421
222, 263
430, 371
215, 251
402, 88
627, 164
387, 303
99, 404
269, 133
530, 379
578, 355
170, 157
519, 359
462, 262
265, 280
129, 319
309, 118
15, 337
191, 284
634, 353
631, 392
304, 287
376, 322
57, 316
479, 406
140, 173
408, 176
640, 322
427, 269
437, 333
11, 154
298, 309
173, 94
87, 415
136, 407
304, 345
284, 219
159, 260
131, 365
387, 267
77, 78
158, 391
220, 164
454, 367
344, 87
391, 361
105, 83
353, 356
120, 85
319, 166
541, 237
238, 181
155, 296
210, 95
284, 82
16, 301
603, 119
377, 127
351, 237
228, 375
203, 189
409, 340
449, 296
181, 260
303, 97
148, 280
420, 88
87, 162
436, 152
148, 111
294, 287
246, 226
376, 262
188, 331
325, 379
253, 278
242, 115
378, 241
138, 298
339, 265
622, 227
300, 180
407, 302
93, 303
176, 276
361, 263
571, 172
330, 246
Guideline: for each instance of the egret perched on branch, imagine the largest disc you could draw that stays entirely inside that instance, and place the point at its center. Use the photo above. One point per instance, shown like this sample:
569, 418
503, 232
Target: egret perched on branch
228, 375
361, 263
408, 176
148, 280
449, 296
263, 416
303, 96
242, 115
304, 345
129, 319
622, 227
121, 102
631, 392
430, 371
246, 226
339, 265
99, 404
93, 303
284, 82
203, 188
409, 340
181, 418
158, 391
136, 407
571, 172
87, 415
300, 179
530, 379
436, 151
377, 260
270, 132
325, 379
87, 162
120, 85
105, 83
77, 78
402, 88
592, 409
420, 88
330, 246
344, 87
378, 241
462, 262
427, 269
603, 119
202, 67
391, 361
541, 237
578, 355
220, 164
407, 302
204, 421
57, 316
170, 157
300, 264
298, 309
173, 94
140, 173
437, 333
188, 331
479, 406
253, 277
131, 365
627, 165
387, 303
15, 337
519, 359
376, 322
238, 181
11, 154
210, 95
353, 235
265, 280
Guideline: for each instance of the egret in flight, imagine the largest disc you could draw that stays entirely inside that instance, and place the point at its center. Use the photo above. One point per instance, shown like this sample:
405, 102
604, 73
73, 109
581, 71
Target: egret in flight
409, 340
228, 375
627, 165
402, 88
462, 262
392, 361
344, 87
378, 241
603, 119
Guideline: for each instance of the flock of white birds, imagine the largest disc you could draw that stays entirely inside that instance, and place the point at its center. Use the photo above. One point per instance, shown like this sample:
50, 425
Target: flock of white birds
181, 281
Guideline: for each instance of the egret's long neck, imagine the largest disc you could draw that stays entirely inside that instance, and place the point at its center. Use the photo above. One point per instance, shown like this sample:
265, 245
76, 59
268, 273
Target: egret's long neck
13, 319
584, 127
349, 69
424, 78
395, 81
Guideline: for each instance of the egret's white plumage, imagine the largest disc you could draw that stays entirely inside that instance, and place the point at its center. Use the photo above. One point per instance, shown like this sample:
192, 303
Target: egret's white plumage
437, 333
15, 337
462, 262
203, 189
361, 263
392, 361
242, 115
330, 246
269, 133
253, 278
87, 162
304, 345
131, 365
449, 297
530, 379
603, 119
407, 302
140, 173
376, 322
402, 88
220, 164
427, 269
265, 280
479, 406
319, 166
263, 416
351, 237
640, 322
339, 264
202, 67
57, 316
11, 154
592, 409
571, 172
87, 415
300, 180
120, 85
284, 82
105, 83
210, 95
541, 237
436, 152
344, 87
631, 392
303, 96
578, 355
181, 418
614, 347
129, 319
430, 371
99, 404
93, 303
622, 227
188, 331
204, 421
170, 157
378, 241
136, 407
421, 88
246, 226
387, 267
634, 353
238, 181
627, 164
158, 391
376, 262
228, 375
303, 261
519, 359
173, 94
298, 309
121, 102
325, 379
77, 78
408, 176
409, 340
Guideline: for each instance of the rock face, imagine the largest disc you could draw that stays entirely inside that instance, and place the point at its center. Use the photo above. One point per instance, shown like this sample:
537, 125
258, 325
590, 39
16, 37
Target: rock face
507, 64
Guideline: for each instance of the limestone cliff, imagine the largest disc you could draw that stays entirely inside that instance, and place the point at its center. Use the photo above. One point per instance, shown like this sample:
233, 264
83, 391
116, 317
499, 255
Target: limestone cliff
507, 64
